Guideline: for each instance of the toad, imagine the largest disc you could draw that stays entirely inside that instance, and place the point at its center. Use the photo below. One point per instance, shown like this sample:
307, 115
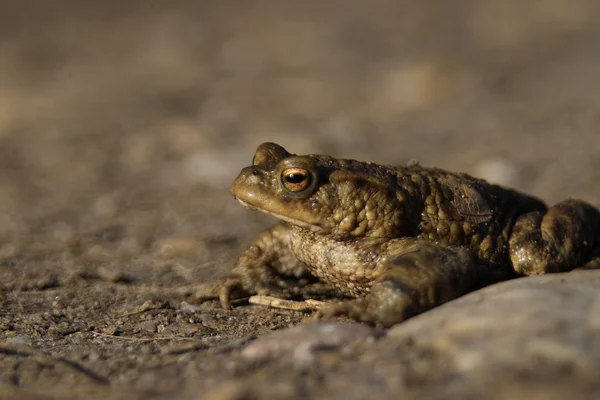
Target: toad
392, 242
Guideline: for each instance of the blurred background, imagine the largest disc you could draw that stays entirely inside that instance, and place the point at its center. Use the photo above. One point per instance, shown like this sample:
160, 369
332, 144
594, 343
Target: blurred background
123, 123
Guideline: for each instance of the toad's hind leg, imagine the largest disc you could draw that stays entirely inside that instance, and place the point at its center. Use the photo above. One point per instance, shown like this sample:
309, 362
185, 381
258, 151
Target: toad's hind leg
567, 236
416, 278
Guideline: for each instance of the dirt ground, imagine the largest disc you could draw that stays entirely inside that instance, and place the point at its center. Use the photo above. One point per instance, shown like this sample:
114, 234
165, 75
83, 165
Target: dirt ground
123, 123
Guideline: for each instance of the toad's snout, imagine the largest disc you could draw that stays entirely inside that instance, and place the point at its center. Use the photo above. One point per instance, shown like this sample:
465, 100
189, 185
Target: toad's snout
248, 177
251, 187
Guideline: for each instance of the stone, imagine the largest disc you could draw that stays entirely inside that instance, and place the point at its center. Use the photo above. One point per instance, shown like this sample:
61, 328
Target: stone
536, 337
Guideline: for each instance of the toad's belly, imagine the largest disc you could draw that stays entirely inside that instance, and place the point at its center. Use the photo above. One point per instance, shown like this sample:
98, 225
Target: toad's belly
349, 266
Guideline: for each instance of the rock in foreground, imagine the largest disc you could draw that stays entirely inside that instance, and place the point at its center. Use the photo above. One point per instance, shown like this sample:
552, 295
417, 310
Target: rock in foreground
533, 338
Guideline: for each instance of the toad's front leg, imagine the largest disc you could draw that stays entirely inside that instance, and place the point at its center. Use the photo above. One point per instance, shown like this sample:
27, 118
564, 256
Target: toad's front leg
419, 274
267, 266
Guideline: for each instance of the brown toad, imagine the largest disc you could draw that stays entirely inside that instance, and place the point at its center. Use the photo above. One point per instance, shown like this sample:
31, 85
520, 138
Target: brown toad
394, 241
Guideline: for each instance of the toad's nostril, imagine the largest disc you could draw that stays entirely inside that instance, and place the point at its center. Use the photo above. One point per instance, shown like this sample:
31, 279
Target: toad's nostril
255, 171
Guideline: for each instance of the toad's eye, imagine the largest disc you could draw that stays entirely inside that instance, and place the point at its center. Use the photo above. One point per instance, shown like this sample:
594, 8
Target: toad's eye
296, 179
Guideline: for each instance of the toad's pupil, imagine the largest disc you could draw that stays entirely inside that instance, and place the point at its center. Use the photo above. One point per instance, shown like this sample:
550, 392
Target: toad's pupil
295, 178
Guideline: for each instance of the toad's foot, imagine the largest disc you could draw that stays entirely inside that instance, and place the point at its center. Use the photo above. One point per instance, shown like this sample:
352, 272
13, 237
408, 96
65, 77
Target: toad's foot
225, 290
427, 274
564, 238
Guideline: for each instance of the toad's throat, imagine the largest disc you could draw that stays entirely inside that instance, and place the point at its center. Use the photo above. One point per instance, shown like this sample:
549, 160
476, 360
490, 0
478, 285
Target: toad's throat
297, 222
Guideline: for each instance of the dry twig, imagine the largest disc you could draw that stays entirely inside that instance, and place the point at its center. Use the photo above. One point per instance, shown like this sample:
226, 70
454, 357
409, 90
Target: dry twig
274, 302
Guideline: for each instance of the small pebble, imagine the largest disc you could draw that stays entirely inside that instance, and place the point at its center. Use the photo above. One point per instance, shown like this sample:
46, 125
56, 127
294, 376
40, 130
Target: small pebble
184, 306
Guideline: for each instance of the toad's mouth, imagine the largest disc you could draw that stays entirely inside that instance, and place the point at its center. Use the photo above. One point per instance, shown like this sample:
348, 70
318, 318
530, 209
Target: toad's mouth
293, 221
